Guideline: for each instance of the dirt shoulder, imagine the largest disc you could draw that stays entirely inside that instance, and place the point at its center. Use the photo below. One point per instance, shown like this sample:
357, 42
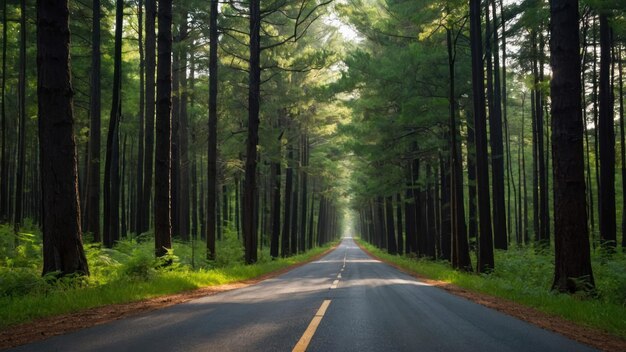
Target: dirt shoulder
588, 336
44, 328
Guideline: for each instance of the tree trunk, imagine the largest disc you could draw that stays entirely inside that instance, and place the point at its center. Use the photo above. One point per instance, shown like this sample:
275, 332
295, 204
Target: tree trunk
507, 140
544, 217
142, 106
184, 179
471, 176
211, 220
596, 148
572, 257
525, 189
218, 215
310, 238
175, 169
399, 223
275, 206
150, 109
163, 157
4, 162
122, 189
392, 244
485, 243
606, 141
62, 242
202, 203
285, 247
194, 157
535, 185
275, 211
194, 196
293, 232
460, 247
445, 248
589, 186
21, 146
623, 142
429, 226
250, 186
500, 233
111, 166
304, 191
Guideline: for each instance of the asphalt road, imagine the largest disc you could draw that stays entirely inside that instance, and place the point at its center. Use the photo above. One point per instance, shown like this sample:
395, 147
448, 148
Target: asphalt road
370, 307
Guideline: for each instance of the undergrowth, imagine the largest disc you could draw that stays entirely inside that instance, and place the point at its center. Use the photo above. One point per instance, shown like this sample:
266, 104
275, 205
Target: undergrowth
525, 276
128, 272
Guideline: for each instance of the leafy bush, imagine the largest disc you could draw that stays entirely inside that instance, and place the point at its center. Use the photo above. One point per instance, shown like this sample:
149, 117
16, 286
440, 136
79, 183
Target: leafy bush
20, 281
140, 265
229, 250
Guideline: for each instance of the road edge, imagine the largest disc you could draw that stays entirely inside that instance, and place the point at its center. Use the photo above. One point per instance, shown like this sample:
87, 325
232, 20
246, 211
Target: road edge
586, 335
44, 328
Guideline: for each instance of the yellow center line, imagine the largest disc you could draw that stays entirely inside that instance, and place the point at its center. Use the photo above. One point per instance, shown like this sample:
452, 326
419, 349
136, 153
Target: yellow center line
304, 341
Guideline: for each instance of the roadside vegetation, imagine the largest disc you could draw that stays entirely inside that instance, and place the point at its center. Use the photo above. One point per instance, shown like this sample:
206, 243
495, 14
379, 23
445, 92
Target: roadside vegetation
125, 273
522, 275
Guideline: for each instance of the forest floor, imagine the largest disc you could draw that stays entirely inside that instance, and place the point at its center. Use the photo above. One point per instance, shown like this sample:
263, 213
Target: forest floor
584, 334
61, 324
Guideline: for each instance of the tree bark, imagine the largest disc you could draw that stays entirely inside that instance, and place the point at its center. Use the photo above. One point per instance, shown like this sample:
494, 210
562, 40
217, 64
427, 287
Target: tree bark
250, 186
293, 231
392, 244
142, 107
471, 176
572, 257
62, 242
211, 220
445, 239
111, 165
184, 194
623, 142
150, 110
275, 194
275, 211
123, 224
495, 132
285, 247
525, 234
460, 247
606, 141
485, 243
544, 217
4, 162
399, 223
194, 157
21, 144
163, 157
304, 191
175, 166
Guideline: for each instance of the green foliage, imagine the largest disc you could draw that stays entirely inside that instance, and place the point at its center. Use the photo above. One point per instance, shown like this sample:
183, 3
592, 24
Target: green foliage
524, 276
128, 272
20, 281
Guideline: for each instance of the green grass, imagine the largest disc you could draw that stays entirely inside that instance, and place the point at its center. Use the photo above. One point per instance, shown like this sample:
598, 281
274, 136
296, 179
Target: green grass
525, 277
124, 274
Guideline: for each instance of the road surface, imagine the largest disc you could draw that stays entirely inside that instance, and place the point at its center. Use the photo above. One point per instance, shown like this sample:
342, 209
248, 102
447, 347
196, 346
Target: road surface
345, 301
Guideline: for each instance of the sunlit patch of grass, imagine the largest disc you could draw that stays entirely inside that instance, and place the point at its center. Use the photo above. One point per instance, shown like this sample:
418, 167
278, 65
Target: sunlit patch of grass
127, 273
524, 276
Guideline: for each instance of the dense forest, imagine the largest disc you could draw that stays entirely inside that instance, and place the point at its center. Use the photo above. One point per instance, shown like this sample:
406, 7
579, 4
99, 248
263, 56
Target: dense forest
489, 127
166, 140
448, 130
